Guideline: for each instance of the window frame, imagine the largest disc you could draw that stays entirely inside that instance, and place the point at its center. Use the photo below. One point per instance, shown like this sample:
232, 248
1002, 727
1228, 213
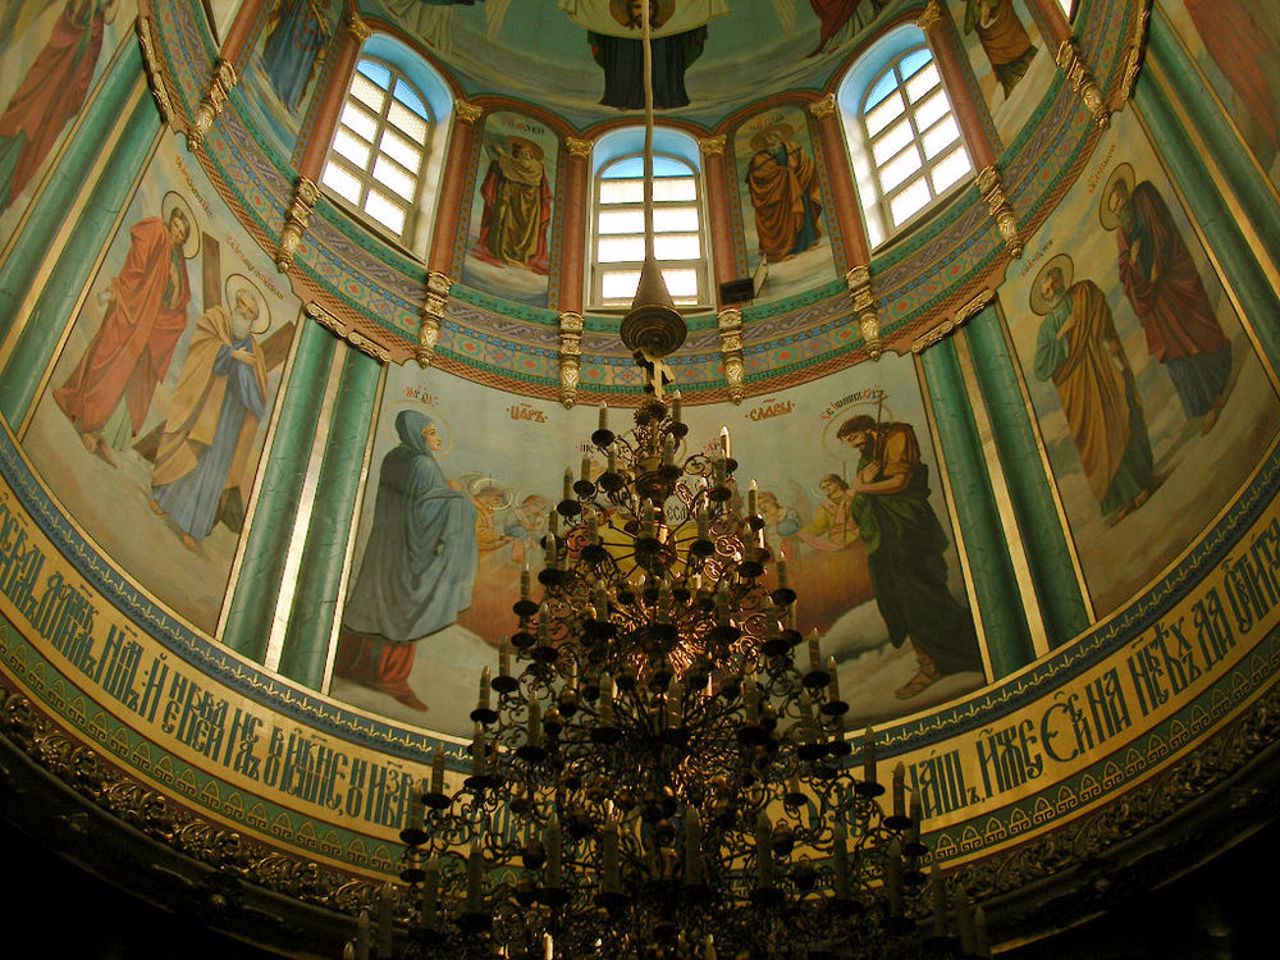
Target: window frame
365, 177
597, 269
924, 173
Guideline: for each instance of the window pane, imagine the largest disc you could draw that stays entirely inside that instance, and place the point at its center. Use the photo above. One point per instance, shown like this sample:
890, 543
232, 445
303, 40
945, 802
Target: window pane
909, 201
375, 72
360, 121
682, 284
950, 169
386, 172
351, 147
621, 191
914, 60
674, 219
400, 150
341, 182
408, 122
674, 188
885, 114
386, 211
932, 110
1066, 6
621, 221
940, 137
884, 86
922, 83
619, 284
887, 145
897, 170
409, 97
620, 249
367, 93
679, 246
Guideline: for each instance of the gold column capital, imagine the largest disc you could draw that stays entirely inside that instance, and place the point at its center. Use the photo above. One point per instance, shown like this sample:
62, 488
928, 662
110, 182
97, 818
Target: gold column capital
824, 107
578, 147
930, 16
431, 317
467, 112
712, 146
305, 196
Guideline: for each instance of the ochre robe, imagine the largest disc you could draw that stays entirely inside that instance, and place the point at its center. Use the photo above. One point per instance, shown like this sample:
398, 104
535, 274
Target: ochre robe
131, 352
50, 95
1003, 37
517, 212
1090, 372
786, 201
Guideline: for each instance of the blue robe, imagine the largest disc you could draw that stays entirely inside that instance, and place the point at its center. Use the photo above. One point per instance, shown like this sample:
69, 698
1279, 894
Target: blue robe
291, 51
420, 563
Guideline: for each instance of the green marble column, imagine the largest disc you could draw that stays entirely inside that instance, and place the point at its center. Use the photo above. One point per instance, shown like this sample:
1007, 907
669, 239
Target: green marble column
1062, 605
52, 311
315, 598
72, 170
257, 586
1243, 176
1000, 607
1207, 208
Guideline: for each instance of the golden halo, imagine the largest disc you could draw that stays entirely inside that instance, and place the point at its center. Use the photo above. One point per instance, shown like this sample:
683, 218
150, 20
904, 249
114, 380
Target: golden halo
174, 200
785, 130
1106, 217
536, 150
838, 449
481, 483
239, 283
1039, 305
618, 8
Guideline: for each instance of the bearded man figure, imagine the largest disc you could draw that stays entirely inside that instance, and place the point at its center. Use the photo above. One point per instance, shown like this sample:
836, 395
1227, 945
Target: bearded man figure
783, 183
220, 399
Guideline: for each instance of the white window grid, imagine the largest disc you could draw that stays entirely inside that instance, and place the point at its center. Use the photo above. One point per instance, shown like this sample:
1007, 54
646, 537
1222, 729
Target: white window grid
363, 187
911, 175
608, 271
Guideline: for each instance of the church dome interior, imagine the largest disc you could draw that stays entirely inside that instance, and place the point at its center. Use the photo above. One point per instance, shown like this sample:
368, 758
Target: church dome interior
312, 320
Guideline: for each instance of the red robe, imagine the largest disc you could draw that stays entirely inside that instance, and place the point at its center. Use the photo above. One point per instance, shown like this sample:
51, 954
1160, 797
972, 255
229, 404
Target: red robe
52, 92
834, 14
131, 351
1172, 308
1240, 48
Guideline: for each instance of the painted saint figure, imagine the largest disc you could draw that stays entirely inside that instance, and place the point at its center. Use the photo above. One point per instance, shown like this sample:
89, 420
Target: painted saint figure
292, 48
51, 94
419, 565
1077, 348
517, 208
1163, 285
220, 398
906, 548
1003, 37
783, 183
109, 393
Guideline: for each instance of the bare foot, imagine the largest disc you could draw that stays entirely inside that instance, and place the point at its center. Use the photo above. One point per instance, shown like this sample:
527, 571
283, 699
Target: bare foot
189, 542
104, 451
156, 508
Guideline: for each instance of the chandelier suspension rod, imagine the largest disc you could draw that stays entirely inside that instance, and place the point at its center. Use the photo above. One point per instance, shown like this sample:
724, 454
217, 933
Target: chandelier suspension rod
646, 41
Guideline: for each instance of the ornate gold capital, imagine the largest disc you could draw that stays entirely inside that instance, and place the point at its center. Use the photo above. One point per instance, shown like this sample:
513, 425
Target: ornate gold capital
930, 16
712, 146
467, 112
571, 327
999, 209
578, 148
972, 307
431, 317
354, 337
305, 196
1071, 61
858, 280
359, 29
729, 321
826, 107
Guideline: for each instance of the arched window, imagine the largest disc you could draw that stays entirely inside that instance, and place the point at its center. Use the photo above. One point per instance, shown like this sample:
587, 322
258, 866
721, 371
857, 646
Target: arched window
618, 223
906, 147
380, 146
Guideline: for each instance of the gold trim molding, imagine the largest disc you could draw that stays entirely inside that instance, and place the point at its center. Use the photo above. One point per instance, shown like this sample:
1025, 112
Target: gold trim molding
1071, 60
729, 323
346, 332
571, 327
214, 102
858, 280
154, 71
998, 208
961, 316
305, 196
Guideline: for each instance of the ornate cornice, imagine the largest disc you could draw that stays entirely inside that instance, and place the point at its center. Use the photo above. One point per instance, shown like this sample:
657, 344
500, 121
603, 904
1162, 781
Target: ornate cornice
347, 332
961, 316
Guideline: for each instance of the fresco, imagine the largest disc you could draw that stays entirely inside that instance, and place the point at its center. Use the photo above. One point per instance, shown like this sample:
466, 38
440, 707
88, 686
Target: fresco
1012, 62
848, 487
508, 249
1236, 43
51, 57
782, 206
150, 428
282, 72
1153, 406
582, 56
